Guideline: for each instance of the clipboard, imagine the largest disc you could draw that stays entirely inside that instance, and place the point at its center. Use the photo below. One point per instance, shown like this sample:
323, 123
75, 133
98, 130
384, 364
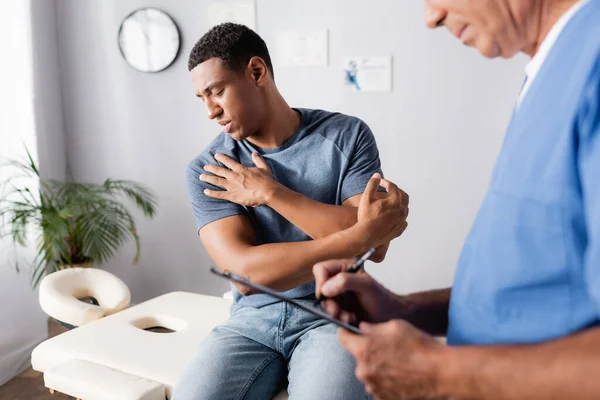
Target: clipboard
263, 289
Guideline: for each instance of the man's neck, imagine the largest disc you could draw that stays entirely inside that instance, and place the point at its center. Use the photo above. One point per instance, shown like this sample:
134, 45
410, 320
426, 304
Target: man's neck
280, 125
546, 15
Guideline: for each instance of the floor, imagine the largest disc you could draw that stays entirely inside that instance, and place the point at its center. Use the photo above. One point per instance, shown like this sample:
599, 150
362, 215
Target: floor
29, 385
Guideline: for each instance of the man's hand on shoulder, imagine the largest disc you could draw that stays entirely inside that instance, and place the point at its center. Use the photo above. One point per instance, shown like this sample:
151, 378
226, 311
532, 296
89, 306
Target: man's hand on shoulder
246, 186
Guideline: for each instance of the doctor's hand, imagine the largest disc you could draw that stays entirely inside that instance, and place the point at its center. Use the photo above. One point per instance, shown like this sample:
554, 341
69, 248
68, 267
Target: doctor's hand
245, 186
396, 361
356, 297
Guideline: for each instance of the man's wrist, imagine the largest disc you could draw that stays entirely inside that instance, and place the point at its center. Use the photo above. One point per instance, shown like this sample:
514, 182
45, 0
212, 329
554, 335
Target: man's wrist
356, 238
363, 231
272, 192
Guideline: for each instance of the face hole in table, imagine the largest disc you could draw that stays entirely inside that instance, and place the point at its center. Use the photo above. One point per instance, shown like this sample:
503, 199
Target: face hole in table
160, 324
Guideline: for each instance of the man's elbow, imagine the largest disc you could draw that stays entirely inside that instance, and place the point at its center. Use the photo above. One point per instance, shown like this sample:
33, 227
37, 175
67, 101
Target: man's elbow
380, 253
377, 258
246, 271
241, 269
260, 278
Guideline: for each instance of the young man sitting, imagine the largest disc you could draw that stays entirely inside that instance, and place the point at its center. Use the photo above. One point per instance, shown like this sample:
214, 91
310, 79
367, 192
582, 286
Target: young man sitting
274, 179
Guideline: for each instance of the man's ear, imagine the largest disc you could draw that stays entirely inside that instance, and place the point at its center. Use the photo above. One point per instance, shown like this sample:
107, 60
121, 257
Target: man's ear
257, 68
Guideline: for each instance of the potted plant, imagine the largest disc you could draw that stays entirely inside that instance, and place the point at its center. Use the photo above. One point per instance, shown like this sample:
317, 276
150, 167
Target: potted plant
73, 224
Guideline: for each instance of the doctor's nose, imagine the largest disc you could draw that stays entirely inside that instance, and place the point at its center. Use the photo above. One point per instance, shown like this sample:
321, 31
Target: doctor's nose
434, 16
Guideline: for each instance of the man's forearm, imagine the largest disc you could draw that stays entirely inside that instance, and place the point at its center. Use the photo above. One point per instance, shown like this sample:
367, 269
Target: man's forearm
283, 266
567, 368
312, 217
428, 310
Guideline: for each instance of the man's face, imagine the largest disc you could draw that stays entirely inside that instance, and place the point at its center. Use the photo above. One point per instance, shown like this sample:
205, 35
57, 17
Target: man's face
231, 98
488, 25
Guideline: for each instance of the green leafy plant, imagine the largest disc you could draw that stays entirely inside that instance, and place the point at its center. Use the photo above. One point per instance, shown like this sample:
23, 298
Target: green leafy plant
72, 223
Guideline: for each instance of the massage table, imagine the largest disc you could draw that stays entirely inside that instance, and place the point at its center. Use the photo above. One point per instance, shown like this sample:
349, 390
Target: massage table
115, 352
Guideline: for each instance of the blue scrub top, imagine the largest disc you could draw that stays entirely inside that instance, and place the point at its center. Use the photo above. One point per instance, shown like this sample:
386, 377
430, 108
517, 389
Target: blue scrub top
530, 267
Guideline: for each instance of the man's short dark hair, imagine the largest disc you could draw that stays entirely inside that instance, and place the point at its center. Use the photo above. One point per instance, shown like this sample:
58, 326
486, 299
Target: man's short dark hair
233, 44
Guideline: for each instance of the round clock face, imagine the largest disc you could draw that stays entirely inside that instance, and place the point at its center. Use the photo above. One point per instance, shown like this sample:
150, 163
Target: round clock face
149, 40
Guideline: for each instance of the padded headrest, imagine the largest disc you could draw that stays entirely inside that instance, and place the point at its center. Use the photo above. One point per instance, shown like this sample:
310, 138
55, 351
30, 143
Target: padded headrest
59, 293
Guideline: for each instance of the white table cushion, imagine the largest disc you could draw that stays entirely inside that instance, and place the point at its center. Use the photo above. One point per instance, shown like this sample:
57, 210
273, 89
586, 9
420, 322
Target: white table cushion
228, 295
118, 341
89, 381
59, 291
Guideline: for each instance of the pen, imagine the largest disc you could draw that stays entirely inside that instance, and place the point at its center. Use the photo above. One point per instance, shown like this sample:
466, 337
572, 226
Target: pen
355, 267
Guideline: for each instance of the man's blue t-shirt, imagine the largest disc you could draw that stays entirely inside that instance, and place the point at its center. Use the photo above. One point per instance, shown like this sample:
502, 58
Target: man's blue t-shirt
330, 158
530, 267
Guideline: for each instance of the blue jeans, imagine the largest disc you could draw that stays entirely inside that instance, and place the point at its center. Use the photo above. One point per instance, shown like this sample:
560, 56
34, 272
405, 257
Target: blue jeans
254, 353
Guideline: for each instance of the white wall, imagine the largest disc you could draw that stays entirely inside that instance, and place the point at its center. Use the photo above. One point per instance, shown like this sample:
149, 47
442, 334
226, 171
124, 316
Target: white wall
439, 131
22, 322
